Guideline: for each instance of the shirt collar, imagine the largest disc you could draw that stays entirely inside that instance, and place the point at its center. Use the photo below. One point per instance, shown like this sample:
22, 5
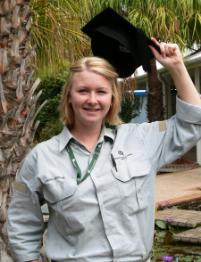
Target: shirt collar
65, 136
108, 133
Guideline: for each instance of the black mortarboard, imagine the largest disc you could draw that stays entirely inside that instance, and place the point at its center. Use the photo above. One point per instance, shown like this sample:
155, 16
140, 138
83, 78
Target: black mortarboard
118, 41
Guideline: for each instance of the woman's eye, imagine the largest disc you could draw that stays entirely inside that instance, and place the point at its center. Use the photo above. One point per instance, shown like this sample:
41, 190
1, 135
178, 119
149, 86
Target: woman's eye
82, 91
102, 92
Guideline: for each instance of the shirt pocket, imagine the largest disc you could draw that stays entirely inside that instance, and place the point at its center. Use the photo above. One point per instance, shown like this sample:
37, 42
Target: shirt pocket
59, 192
58, 188
62, 194
132, 178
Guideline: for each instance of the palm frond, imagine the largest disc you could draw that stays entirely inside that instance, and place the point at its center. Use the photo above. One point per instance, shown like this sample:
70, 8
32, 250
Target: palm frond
55, 31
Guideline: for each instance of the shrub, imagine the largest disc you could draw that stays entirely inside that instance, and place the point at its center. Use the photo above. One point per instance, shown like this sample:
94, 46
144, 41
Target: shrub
49, 116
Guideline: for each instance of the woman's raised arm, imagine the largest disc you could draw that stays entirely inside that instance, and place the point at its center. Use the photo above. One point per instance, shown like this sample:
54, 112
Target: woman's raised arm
171, 58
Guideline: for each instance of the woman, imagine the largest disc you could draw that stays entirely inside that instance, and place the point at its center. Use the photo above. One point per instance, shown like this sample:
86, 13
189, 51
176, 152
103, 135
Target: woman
98, 182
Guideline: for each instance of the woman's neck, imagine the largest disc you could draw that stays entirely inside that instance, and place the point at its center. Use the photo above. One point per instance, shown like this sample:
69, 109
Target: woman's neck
87, 136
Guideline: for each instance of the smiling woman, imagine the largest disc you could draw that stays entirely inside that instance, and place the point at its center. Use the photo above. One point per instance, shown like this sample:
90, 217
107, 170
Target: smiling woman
90, 98
98, 76
98, 182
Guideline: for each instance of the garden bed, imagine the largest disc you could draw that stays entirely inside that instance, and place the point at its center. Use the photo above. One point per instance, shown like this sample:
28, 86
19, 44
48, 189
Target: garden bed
167, 249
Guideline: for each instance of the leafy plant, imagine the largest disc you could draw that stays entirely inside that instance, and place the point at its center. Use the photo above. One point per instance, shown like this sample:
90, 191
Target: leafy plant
129, 108
49, 117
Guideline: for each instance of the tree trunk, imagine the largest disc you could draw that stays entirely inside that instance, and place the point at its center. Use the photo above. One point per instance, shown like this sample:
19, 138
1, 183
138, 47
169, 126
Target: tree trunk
155, 96
17, 99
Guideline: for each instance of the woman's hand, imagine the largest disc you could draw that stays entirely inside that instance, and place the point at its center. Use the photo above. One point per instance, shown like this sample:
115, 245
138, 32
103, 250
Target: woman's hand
170, 56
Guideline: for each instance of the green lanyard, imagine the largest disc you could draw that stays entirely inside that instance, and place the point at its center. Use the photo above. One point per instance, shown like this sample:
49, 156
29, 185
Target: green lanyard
91, 164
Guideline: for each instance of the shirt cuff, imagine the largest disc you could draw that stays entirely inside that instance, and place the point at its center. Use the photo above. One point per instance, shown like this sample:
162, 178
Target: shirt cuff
188, 112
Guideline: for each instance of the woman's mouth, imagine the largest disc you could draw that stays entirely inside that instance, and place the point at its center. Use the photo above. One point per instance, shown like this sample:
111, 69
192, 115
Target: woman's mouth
92, 109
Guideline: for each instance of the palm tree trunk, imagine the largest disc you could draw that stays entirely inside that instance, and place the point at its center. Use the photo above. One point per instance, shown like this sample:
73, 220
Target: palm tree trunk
17, 99
155, 96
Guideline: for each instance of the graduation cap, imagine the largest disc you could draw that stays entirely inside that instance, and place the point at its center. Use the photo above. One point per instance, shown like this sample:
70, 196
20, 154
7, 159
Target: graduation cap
122, 44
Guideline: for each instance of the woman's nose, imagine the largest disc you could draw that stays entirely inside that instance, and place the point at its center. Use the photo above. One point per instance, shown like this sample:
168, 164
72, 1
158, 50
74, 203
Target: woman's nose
92, 98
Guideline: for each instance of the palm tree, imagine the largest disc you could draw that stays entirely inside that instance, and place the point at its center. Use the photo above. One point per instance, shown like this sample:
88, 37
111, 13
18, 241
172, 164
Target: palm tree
17, 99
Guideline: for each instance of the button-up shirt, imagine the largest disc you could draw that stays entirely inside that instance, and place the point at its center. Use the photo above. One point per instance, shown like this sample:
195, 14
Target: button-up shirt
110, 215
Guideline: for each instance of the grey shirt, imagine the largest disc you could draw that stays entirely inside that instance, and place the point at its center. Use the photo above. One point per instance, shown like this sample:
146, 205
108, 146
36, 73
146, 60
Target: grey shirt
110, 215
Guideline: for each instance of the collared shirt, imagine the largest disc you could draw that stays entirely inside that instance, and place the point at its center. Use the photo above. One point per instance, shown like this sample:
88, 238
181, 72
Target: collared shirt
110, 215
82, 155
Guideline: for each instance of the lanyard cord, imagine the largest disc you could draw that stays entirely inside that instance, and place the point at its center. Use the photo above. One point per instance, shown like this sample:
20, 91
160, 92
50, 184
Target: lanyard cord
90, 166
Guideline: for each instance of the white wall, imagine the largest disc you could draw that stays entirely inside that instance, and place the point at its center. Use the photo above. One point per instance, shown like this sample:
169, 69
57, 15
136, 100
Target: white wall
142, 117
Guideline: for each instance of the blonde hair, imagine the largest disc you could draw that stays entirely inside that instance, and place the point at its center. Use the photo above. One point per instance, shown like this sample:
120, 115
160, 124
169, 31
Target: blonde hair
99, 66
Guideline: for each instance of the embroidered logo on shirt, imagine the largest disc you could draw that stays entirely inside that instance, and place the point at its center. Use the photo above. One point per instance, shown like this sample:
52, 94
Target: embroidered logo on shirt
120, 152
122, 156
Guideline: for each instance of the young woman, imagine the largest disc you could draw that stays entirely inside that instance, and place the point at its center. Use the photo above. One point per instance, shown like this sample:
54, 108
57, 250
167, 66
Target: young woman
98, 182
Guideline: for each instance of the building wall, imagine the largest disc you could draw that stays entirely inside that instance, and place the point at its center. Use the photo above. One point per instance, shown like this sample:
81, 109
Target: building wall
142, 112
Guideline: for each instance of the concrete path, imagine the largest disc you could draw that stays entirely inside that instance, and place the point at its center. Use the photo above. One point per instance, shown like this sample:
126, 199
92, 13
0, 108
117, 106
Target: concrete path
179, 187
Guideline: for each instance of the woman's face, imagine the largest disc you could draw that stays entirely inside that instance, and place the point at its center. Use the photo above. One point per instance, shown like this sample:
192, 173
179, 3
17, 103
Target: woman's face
90, 98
